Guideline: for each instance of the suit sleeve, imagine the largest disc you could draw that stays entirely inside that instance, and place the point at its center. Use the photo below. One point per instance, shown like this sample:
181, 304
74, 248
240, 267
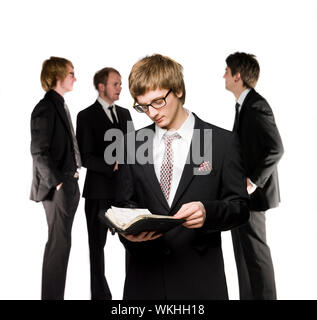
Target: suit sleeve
42, 131
86, 143
266, 129
125, 195
231, 210
125, 198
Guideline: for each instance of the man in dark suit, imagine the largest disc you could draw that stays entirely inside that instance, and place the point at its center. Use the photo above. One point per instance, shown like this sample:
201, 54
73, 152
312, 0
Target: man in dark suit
55, 161
92, 124
168, 175
262, 149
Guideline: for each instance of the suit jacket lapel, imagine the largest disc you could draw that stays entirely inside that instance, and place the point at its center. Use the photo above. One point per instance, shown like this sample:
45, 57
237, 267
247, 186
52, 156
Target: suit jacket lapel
58, 102
150, 174
245, 105
102, 114
121, 121
247, 98
62, 113
188, 172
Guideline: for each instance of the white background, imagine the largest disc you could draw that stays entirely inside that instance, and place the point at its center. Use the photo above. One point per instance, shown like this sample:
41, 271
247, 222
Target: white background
200, 35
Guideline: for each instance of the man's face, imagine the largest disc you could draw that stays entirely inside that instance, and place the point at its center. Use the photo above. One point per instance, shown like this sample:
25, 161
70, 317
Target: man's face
229, 79
113, 88
167, 117
68, 83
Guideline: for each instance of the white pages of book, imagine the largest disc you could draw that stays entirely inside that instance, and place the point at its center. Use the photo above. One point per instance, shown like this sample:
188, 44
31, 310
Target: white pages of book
123, 216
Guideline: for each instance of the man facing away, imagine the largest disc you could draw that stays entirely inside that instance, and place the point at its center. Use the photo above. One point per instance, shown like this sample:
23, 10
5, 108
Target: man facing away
92, 124
209, 193
55, 161
262, 149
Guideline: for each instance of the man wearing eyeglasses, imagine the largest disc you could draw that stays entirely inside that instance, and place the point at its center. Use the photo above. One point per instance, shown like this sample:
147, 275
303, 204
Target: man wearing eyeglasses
209, 193
92, 124
56, 159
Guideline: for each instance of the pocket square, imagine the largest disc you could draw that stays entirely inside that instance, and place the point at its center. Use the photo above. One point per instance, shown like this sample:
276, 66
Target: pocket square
205, 167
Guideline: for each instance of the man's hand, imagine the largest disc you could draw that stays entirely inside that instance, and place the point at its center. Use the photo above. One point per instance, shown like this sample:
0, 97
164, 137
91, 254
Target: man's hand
194, 213
250, 187
59, 186
143, 236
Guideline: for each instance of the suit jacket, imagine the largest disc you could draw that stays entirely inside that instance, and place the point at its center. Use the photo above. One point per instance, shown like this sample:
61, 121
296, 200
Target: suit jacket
51, 146
262, 149
185, 263
92, 123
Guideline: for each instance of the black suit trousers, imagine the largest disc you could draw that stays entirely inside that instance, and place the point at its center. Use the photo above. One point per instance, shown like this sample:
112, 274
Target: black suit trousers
60, 210
97, 236
253, 259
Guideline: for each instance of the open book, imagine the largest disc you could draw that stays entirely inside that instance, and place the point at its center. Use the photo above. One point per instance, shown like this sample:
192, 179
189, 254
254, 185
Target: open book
134, 221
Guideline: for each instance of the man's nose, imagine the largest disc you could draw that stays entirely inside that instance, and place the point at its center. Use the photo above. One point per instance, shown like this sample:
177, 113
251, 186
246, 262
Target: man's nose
152, 112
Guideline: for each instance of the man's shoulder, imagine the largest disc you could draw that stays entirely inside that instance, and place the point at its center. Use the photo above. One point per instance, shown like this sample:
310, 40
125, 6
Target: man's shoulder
257, 103
141, 134
90, 111
221, 138
90, 108
149, 128
201, 124
44, 106
122, 109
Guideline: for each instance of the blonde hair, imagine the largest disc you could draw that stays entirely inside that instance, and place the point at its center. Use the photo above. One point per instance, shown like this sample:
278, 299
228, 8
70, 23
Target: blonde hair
156, 72
54, 69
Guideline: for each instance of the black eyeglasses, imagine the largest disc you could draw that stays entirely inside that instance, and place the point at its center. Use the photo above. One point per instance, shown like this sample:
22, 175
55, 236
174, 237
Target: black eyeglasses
156, 104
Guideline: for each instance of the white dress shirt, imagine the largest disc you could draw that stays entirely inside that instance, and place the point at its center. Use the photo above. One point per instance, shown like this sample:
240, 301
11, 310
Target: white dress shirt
105, 106
180, 151
242, 97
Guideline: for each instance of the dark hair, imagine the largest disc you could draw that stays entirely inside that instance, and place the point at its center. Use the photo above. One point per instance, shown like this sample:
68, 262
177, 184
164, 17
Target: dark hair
102, 75
245, 64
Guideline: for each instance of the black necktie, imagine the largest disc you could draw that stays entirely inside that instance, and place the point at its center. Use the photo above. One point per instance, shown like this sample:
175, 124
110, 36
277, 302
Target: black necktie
236, 118
114, 119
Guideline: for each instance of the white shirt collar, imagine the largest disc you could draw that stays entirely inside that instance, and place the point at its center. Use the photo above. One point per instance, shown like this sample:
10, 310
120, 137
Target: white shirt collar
185, 131
243, 95
104, 103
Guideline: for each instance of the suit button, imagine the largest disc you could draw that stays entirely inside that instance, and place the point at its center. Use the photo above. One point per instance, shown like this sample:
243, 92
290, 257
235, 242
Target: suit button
167, 251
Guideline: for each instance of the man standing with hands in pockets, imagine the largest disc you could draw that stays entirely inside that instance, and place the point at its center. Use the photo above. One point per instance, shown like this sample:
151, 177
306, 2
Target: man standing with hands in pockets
56, 159
262, 149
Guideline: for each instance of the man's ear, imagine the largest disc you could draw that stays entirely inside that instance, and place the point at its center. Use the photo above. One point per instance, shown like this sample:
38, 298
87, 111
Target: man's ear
58, 82
179, 94
101, 87
237, 77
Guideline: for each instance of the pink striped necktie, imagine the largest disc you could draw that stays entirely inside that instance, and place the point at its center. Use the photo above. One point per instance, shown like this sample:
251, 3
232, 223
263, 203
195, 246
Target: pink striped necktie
166, 172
